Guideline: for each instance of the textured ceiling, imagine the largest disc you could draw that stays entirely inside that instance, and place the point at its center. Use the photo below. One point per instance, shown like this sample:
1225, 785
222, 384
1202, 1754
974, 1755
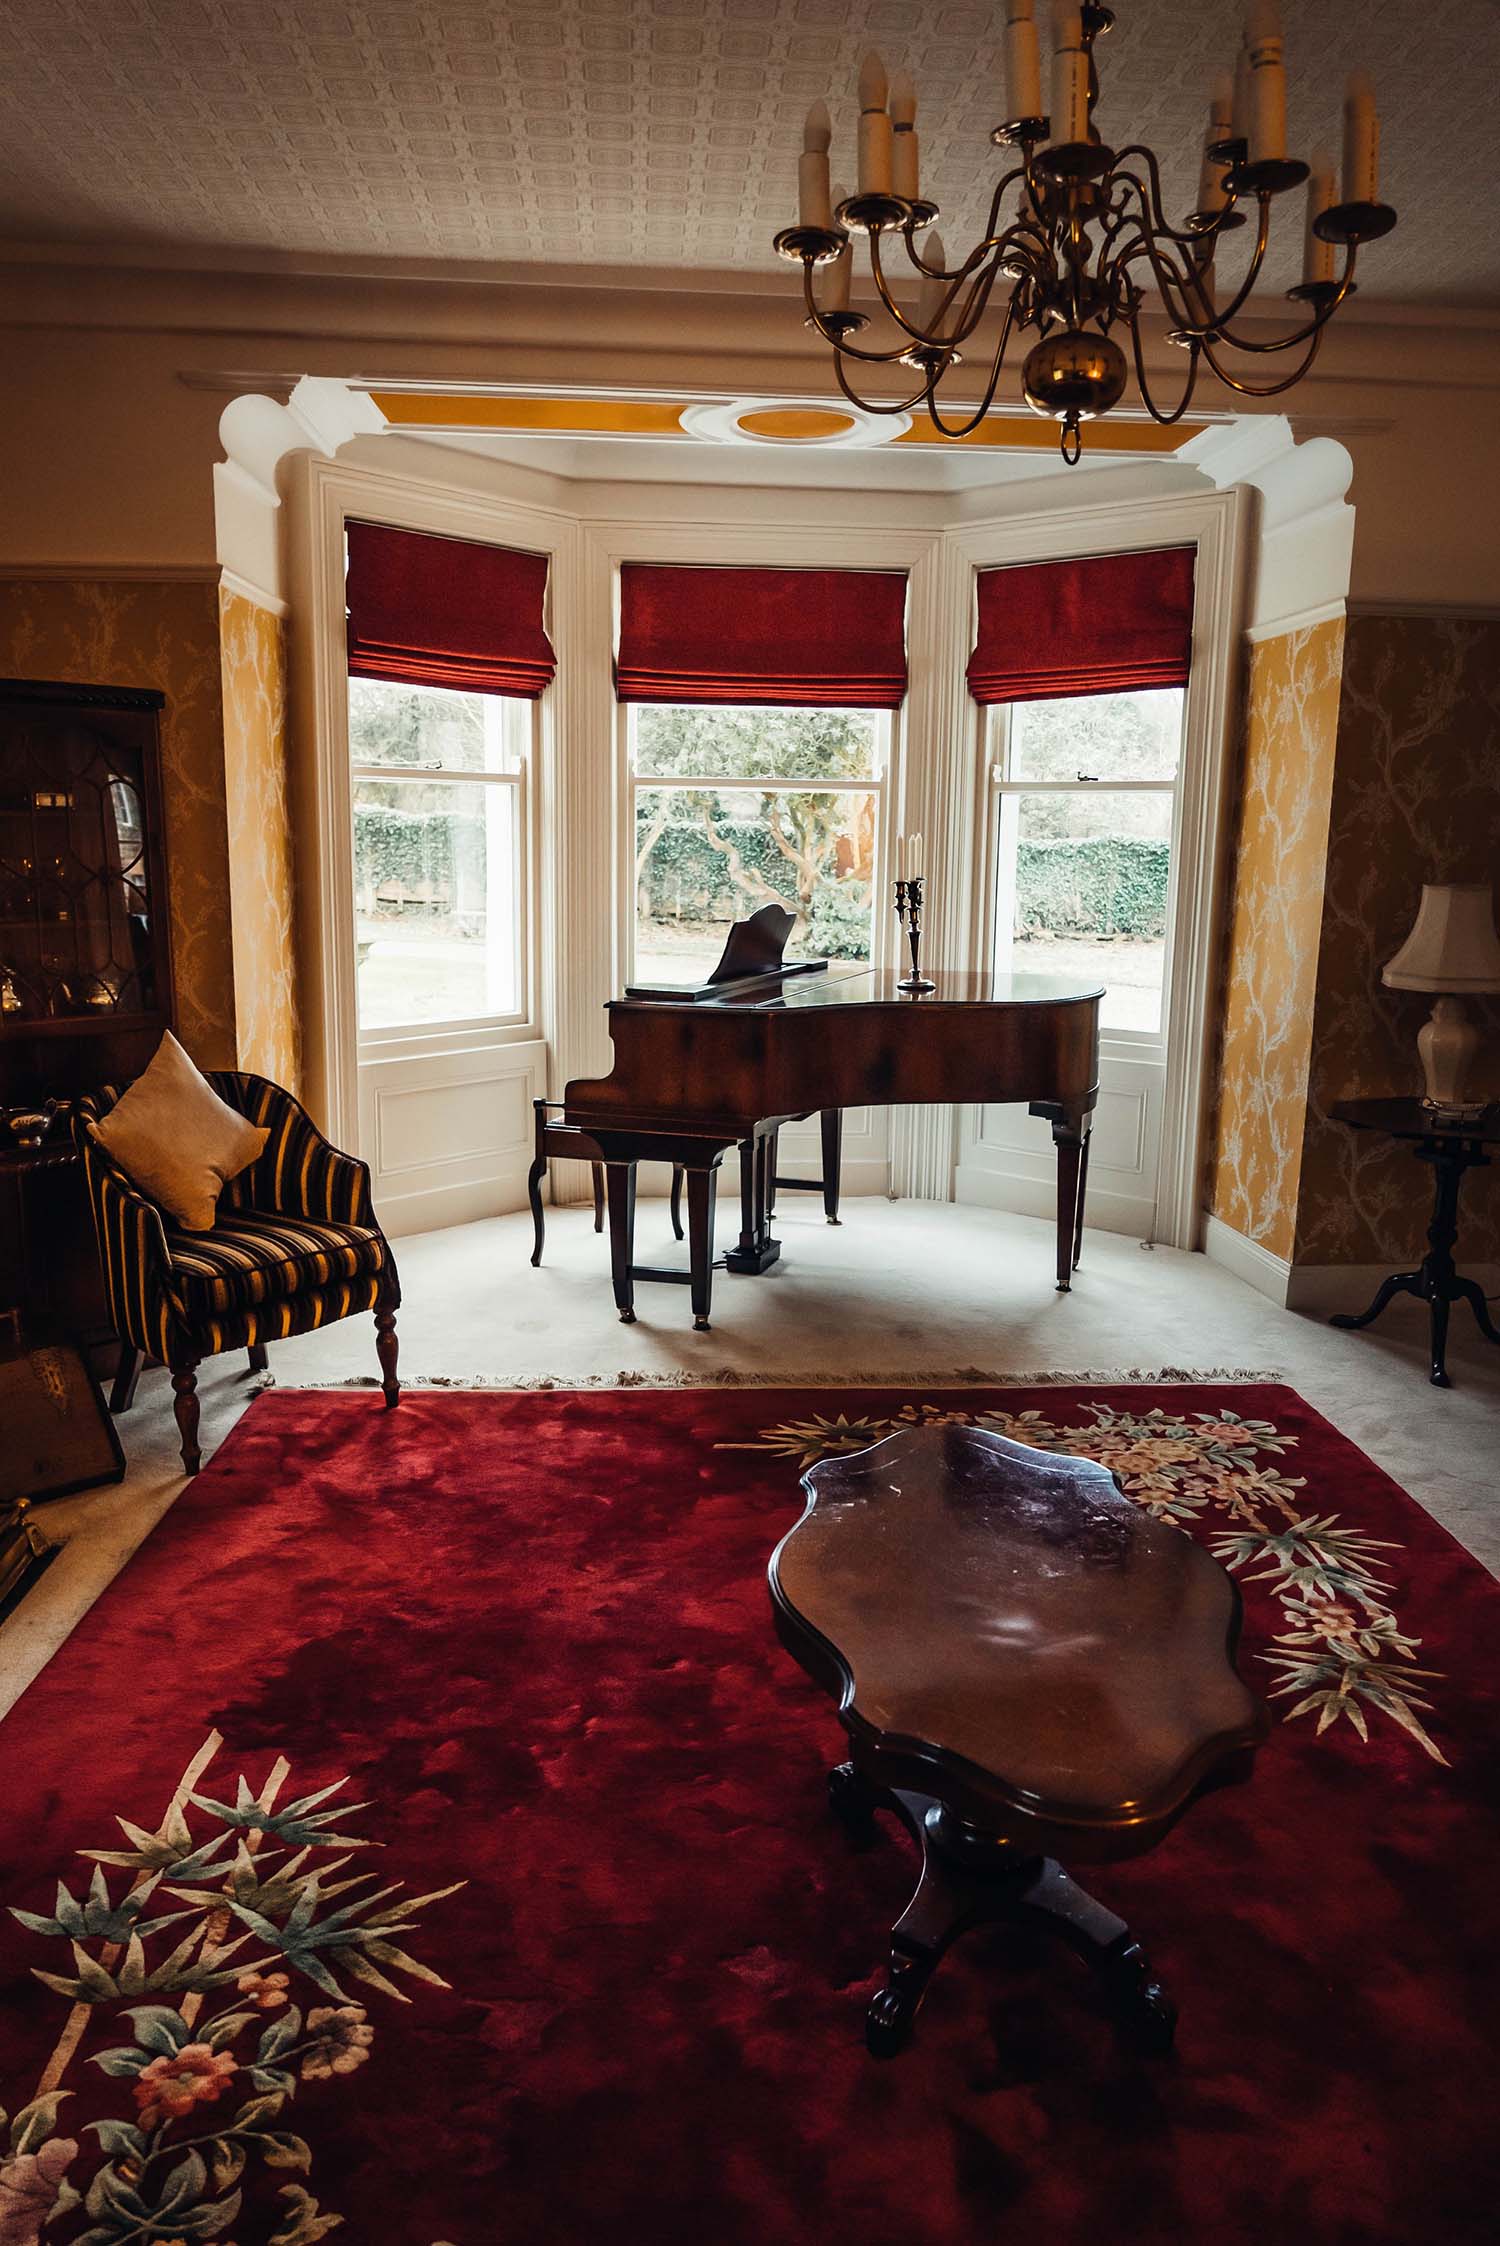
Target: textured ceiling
657, 132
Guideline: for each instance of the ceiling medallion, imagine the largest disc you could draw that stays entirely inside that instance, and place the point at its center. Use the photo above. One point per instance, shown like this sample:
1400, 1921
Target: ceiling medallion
1087, 249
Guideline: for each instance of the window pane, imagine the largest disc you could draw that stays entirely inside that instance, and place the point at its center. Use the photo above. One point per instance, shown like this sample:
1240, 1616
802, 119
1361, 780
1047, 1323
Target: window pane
754, 744
1083, 890
431, 727
435, 901
1098, 736
705, 858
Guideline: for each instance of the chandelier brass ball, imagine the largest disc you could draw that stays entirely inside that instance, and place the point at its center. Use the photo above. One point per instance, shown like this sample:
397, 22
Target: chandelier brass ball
1074, 376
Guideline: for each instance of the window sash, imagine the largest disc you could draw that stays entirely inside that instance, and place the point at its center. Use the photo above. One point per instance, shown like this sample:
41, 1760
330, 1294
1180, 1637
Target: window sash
874, 783
516, 722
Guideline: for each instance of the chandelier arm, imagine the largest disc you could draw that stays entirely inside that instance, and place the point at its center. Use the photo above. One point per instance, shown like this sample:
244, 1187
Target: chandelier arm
917, 334
1161, 223
841, 346
868, 405
1166, 419
962, 429
1167, 277
1320, 319
1270, 390
1246, 287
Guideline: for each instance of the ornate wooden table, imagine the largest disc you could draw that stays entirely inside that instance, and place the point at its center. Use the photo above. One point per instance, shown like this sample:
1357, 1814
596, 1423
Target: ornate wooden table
1450, 1148
1027, 1665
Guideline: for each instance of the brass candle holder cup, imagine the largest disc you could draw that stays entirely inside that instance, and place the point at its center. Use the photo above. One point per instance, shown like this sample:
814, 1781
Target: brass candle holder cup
909, 913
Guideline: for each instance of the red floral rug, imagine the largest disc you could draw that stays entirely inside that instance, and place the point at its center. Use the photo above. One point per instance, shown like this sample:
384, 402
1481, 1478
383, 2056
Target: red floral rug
426, 1835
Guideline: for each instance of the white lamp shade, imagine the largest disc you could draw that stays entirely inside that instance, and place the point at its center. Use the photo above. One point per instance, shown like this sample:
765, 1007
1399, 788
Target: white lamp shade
1453, 946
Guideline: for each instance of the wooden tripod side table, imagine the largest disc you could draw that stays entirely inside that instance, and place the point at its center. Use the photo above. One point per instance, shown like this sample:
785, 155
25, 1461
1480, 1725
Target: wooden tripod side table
1450, 1149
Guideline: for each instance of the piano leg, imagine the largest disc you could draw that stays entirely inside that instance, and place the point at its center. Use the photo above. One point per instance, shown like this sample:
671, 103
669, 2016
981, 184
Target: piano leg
755, 1250
832, 1123
620, 1178
1070, 1135
702, 1188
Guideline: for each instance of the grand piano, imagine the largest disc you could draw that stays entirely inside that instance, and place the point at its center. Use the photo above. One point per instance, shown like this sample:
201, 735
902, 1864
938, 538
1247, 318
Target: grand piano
700, 1070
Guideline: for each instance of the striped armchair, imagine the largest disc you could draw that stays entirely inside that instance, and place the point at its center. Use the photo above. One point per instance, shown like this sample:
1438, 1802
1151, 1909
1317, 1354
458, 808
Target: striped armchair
294, 1245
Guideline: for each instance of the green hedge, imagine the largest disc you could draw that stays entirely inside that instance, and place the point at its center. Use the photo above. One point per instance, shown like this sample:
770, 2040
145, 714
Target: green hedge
686, 878
417, 852
1115, 885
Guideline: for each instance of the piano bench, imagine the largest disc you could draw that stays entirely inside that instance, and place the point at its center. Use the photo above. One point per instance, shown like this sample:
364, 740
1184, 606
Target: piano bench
567, 1142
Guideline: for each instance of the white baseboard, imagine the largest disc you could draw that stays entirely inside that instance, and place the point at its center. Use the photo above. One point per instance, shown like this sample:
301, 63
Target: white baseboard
1037, 1197
1322, 1288
1268, 1274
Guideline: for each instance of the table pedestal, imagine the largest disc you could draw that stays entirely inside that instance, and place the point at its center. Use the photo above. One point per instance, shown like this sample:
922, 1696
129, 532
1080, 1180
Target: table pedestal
1436, 1281
969, 1878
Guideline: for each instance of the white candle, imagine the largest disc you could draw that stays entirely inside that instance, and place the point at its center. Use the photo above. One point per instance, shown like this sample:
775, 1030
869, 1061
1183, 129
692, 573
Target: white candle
900, 857
904, 156
930, 303
1265, 54
1023, 61
1361, 141
837, 276
1069, 116
1239, 110
813, 205
916, 857
875, 158
1221, 106
1317, 256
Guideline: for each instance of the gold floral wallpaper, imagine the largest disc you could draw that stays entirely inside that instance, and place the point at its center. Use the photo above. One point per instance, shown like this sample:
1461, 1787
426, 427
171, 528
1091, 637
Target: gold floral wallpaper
253, 655
1416, 798
1286, 782
162, 633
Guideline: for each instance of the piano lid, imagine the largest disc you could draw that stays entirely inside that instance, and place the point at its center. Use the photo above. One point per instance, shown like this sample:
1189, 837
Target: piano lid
846, 984
754, 948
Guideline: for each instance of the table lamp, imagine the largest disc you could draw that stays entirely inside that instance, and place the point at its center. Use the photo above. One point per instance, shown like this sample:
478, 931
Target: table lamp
1452, 948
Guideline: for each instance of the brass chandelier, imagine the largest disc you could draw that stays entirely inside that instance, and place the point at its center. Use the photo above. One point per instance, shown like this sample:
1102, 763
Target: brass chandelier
1087, 249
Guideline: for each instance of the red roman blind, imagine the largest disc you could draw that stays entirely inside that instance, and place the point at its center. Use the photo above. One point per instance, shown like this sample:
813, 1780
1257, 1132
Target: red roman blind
1102, 626
433, 611
830, 638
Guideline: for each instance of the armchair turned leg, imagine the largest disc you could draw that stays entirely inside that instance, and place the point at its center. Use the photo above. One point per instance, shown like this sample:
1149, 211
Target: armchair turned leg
185, 1405
386, 1347
127, 1373
258, 1358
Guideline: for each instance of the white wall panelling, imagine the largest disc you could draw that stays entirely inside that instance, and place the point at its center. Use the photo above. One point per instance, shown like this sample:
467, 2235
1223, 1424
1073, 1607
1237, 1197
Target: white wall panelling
448, 1135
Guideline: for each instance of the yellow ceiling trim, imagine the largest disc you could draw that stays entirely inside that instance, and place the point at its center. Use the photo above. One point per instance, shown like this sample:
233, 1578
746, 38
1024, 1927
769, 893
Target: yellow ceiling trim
662, 417
606, 417
794, 425
1034, 434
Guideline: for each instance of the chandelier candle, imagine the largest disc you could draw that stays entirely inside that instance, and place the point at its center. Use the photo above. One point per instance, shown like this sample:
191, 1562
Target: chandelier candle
814, 204
1212, 192
1077, 251
1361, 141
840, 273
1070, 76
875, 154
1023, 62
1264, 54
904, 153
1317, 255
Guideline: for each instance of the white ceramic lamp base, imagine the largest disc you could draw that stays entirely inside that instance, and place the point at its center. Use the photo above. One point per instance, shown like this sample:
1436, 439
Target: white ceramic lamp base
1447, 1043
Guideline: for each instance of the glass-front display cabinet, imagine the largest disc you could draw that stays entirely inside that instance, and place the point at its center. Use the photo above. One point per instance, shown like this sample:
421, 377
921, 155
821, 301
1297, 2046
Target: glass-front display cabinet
85, 955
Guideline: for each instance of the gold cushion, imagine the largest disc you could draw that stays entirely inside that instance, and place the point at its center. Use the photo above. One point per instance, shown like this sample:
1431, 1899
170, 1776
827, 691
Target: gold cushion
177, 1139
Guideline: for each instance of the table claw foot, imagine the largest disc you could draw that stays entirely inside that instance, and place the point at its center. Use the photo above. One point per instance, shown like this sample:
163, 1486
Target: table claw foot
1144, 2012
851, 1797
893, 2009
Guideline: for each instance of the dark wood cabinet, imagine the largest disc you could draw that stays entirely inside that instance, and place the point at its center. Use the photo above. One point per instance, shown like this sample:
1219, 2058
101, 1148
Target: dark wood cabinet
85, 956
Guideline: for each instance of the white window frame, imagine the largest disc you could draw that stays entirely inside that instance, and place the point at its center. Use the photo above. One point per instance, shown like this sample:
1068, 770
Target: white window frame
516, 720
878, 785
1003, 787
